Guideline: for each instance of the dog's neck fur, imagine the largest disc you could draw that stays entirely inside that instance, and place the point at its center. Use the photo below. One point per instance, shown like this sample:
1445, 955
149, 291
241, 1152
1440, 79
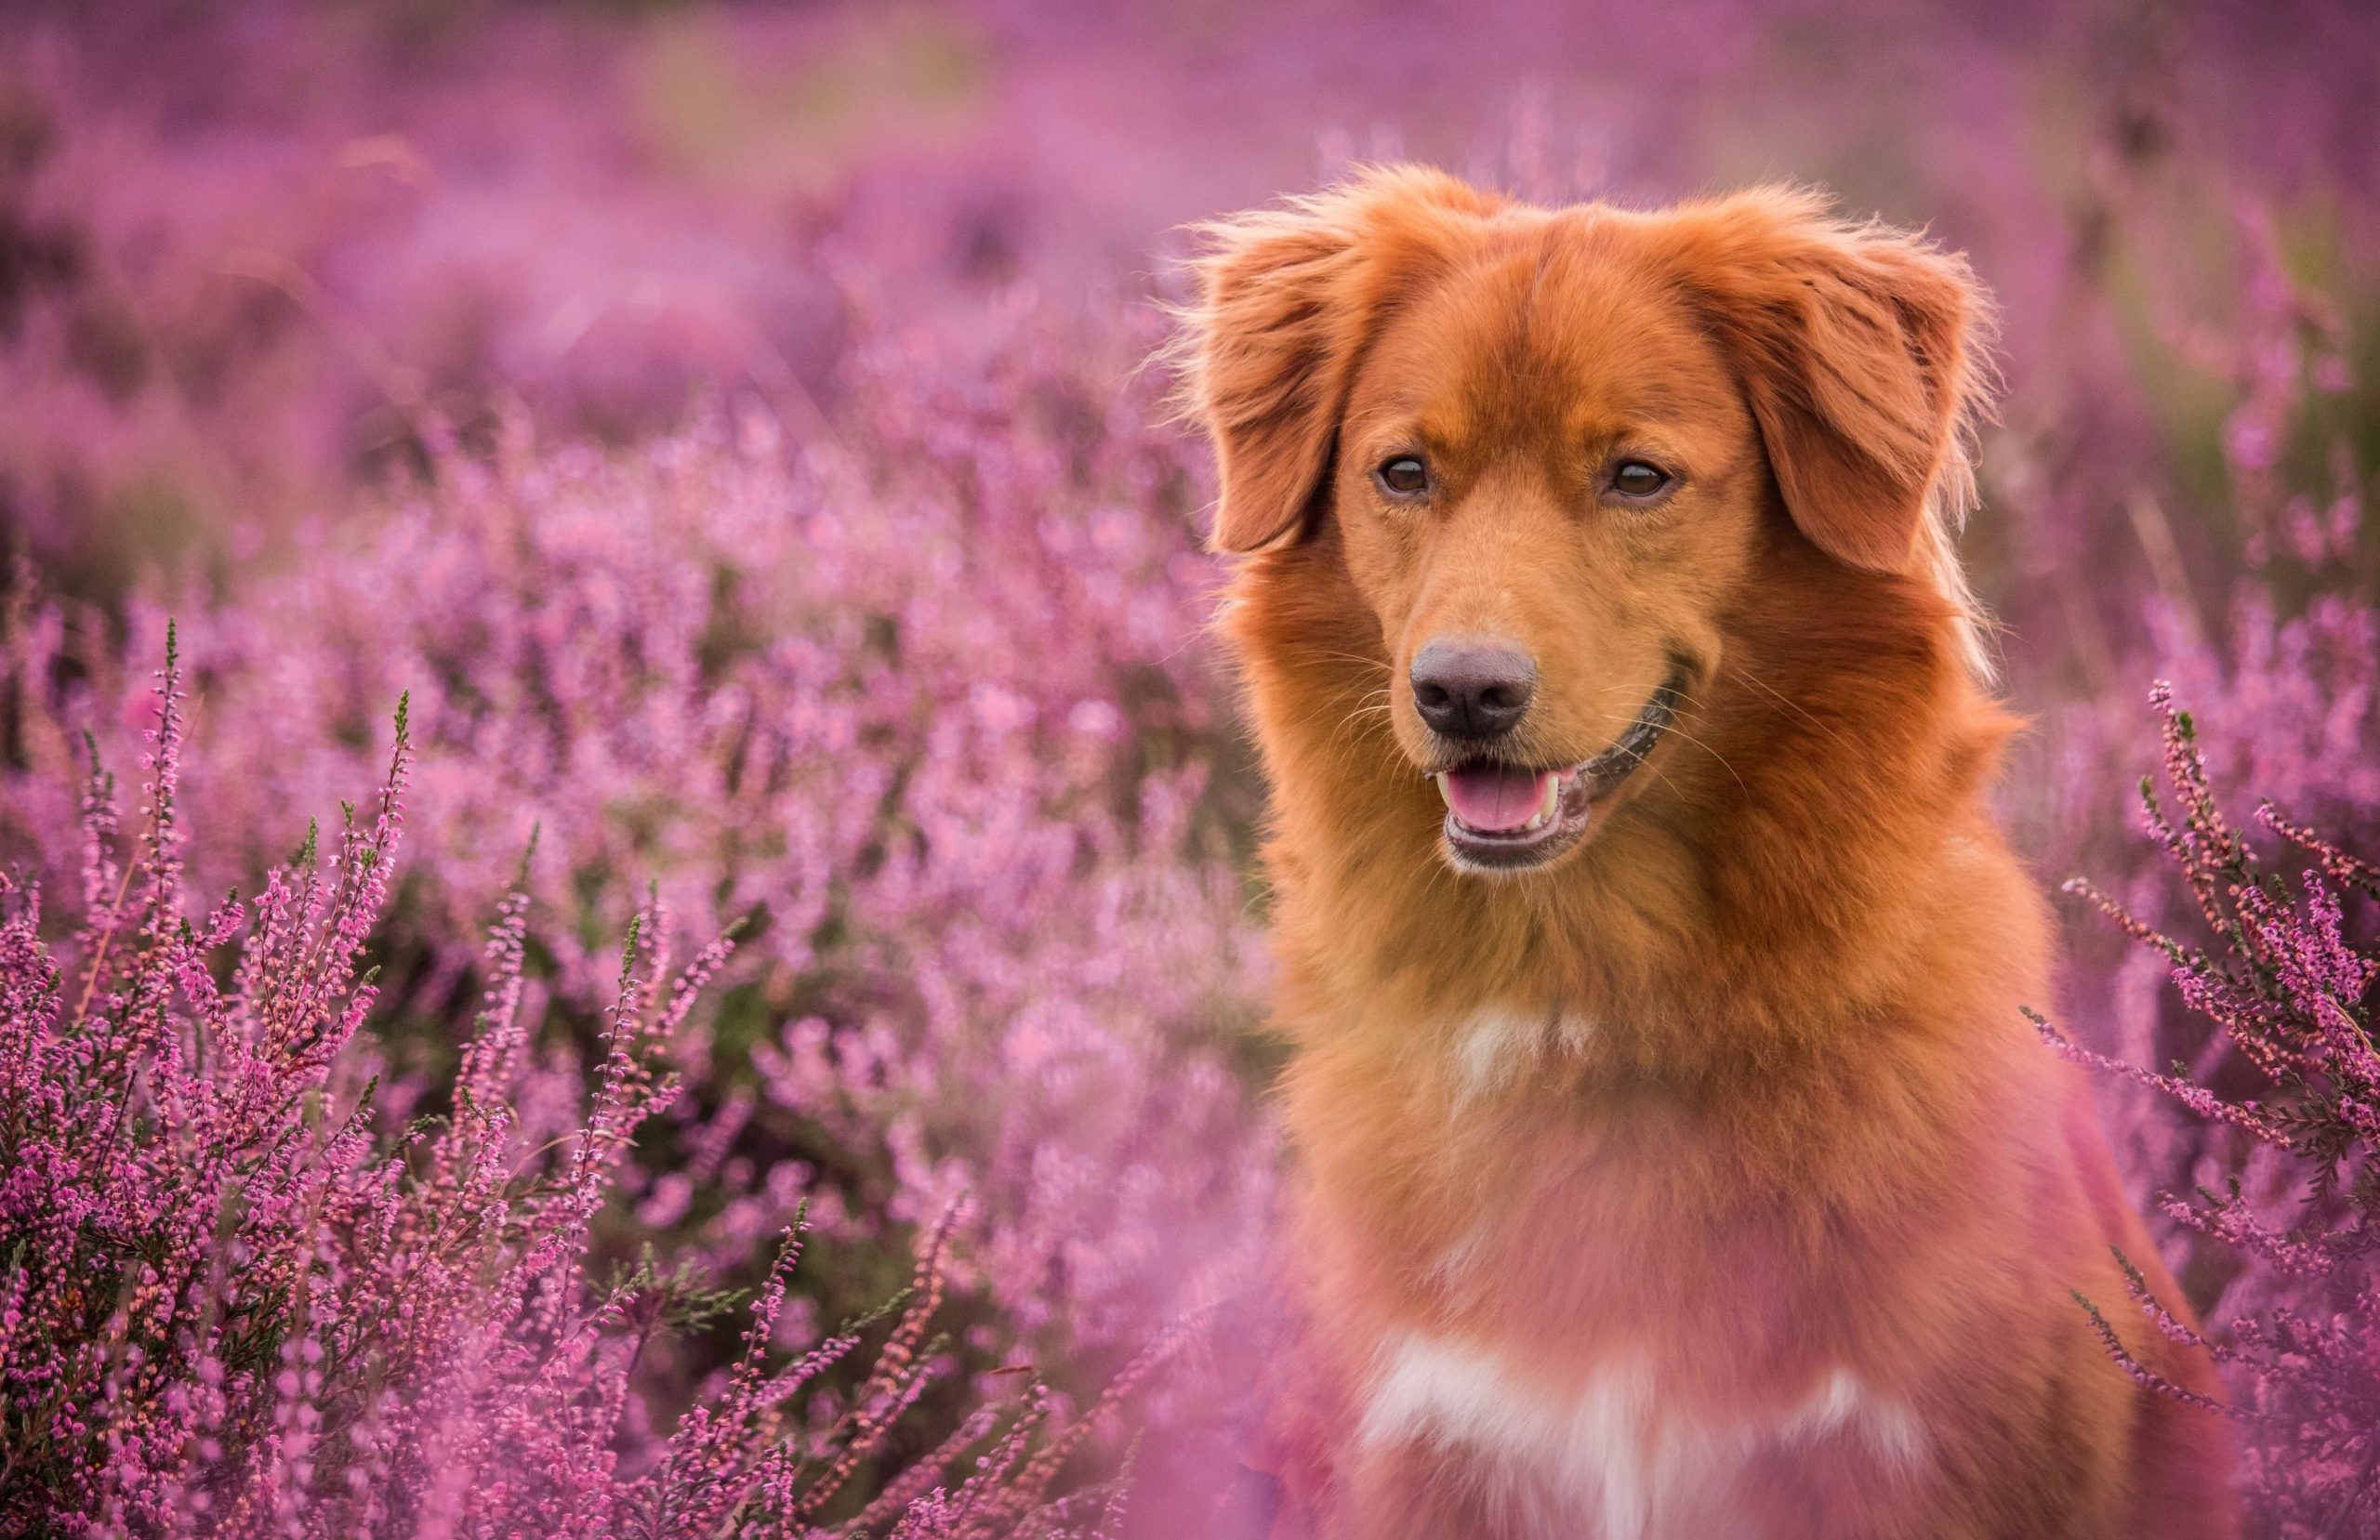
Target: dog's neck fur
1767, 830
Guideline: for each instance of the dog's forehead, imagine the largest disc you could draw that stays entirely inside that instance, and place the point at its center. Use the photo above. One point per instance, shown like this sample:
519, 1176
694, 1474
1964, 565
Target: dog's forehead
1566, 323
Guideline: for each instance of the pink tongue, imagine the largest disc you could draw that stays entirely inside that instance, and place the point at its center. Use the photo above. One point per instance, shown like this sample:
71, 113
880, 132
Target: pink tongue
1495, 798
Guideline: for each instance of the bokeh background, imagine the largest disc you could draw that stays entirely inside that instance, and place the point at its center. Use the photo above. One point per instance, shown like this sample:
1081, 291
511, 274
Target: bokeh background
733, 424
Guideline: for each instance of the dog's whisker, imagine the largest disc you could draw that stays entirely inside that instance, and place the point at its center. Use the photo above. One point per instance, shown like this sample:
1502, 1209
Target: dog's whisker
1333, 700
1705, 747
1380, 664
1788, 703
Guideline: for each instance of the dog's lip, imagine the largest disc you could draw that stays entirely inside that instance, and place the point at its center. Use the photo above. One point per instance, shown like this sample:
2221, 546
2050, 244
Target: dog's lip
1574, 790
1607, 770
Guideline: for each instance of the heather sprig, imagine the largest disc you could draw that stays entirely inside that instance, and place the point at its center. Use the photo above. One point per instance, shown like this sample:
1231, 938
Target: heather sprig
2284, 977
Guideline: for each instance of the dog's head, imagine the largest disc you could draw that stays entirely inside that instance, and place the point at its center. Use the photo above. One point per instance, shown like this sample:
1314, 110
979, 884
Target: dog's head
1549, 447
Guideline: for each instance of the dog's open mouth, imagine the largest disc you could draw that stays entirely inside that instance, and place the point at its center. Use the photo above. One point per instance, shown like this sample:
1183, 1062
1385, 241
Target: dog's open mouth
1505, 817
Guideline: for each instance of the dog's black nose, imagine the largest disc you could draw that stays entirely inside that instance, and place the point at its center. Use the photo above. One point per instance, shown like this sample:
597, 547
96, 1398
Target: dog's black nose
1470, 690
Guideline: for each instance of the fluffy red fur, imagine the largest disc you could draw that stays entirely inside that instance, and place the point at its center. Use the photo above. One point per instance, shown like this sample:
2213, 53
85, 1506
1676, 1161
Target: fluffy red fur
1701, 1178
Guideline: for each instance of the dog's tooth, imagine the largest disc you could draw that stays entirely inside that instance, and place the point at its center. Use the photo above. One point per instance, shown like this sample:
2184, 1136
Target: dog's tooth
1445, 795
1552, 800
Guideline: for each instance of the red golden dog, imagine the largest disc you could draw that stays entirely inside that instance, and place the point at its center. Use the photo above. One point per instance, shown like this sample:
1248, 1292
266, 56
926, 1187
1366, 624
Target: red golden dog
1673, 1159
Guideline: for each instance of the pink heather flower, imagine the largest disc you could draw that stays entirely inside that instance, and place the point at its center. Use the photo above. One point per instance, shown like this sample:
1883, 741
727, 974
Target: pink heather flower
305, 1327
2285, 980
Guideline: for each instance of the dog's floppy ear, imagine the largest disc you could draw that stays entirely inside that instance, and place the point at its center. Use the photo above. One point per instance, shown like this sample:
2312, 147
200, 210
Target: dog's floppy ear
1861, 360
1285, 299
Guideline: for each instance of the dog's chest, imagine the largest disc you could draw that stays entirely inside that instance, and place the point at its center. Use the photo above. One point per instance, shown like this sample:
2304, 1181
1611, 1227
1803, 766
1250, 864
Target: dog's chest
1626, 1332
1562, 1208
1609, 1454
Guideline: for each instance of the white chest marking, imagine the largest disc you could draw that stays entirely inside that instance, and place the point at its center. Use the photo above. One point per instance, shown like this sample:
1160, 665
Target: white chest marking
1603, 1452
1496, 1045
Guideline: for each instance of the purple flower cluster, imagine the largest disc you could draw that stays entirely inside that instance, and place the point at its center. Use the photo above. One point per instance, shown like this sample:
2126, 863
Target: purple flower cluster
2288, 1084
229, 1307
920, 726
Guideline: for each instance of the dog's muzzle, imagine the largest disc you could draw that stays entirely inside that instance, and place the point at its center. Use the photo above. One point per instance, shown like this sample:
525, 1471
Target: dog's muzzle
1503, 816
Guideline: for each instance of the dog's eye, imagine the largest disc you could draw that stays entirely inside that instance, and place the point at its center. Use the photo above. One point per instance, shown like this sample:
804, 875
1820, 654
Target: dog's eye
1405, 476
1639, 479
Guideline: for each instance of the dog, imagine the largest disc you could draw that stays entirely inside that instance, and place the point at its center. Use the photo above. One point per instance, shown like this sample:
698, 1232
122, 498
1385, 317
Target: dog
1671, 1156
